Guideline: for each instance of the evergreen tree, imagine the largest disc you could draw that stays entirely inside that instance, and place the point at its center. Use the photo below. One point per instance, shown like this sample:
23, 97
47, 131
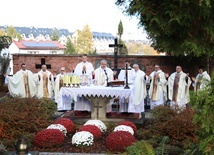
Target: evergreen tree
176, 27
120, 30
123, 50
69, 47
55, 36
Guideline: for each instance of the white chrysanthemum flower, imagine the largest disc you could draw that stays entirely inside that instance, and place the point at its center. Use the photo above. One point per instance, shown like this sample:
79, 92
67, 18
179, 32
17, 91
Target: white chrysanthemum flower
83, 138
59, 127
97, 123
124, 128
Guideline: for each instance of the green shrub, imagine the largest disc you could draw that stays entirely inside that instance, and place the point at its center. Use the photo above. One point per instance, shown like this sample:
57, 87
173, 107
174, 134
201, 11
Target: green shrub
140, 148
203, 104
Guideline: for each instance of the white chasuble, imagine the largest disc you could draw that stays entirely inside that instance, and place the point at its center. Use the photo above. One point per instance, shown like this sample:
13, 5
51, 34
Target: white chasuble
178, 89
157, 90
201, 81
58, 84
139, 92
45, 85
79, 68
83, 104
22, 84
102, 75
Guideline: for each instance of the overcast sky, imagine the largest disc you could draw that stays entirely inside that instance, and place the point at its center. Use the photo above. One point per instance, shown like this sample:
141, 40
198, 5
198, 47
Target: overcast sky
100, 15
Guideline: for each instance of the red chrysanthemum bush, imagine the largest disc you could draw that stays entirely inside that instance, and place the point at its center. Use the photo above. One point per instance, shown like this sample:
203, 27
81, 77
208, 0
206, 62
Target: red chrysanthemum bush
119, 140
67, 123
128, 123
92, 129
49, 138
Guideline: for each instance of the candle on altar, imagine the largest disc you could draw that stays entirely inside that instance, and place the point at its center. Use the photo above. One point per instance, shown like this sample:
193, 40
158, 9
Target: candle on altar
69, 79
73, 79
64, 79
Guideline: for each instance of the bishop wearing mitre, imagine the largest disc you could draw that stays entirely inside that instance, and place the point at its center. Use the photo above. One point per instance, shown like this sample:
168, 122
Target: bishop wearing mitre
46, 83
22, 84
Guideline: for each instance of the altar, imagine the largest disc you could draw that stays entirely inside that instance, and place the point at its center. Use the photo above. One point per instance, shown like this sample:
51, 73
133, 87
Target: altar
98, 95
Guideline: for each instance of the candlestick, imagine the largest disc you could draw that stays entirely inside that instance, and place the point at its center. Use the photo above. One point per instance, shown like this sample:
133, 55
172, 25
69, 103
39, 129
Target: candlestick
64, 80
127, 85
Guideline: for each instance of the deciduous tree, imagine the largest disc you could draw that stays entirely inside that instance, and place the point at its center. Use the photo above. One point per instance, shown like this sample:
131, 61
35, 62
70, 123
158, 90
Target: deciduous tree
182, 27
84, 42
11, 31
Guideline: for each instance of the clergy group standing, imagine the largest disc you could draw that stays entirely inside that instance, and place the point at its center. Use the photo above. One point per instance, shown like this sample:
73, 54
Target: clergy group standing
26, 84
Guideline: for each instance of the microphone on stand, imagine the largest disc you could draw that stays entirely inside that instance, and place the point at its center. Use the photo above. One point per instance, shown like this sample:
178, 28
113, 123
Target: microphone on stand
106, 77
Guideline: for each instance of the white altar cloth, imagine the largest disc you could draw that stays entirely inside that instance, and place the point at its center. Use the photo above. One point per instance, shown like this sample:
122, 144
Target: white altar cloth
96, 91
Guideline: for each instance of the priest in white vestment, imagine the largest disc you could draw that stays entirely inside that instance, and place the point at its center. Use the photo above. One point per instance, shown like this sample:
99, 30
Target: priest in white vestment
23, 83
202, 79
178, 85
45, 85
122, 74
84, 67
122, 77
58, 82
103, 74
157, 89
84, 70
139, 91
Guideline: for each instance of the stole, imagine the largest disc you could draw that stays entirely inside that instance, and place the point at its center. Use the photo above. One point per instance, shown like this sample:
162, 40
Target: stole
45, 85
175, 87
27, 90
154, 91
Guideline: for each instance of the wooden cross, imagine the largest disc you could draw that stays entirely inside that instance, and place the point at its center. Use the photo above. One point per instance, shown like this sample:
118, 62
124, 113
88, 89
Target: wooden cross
39, 66
116, 48
97, 106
